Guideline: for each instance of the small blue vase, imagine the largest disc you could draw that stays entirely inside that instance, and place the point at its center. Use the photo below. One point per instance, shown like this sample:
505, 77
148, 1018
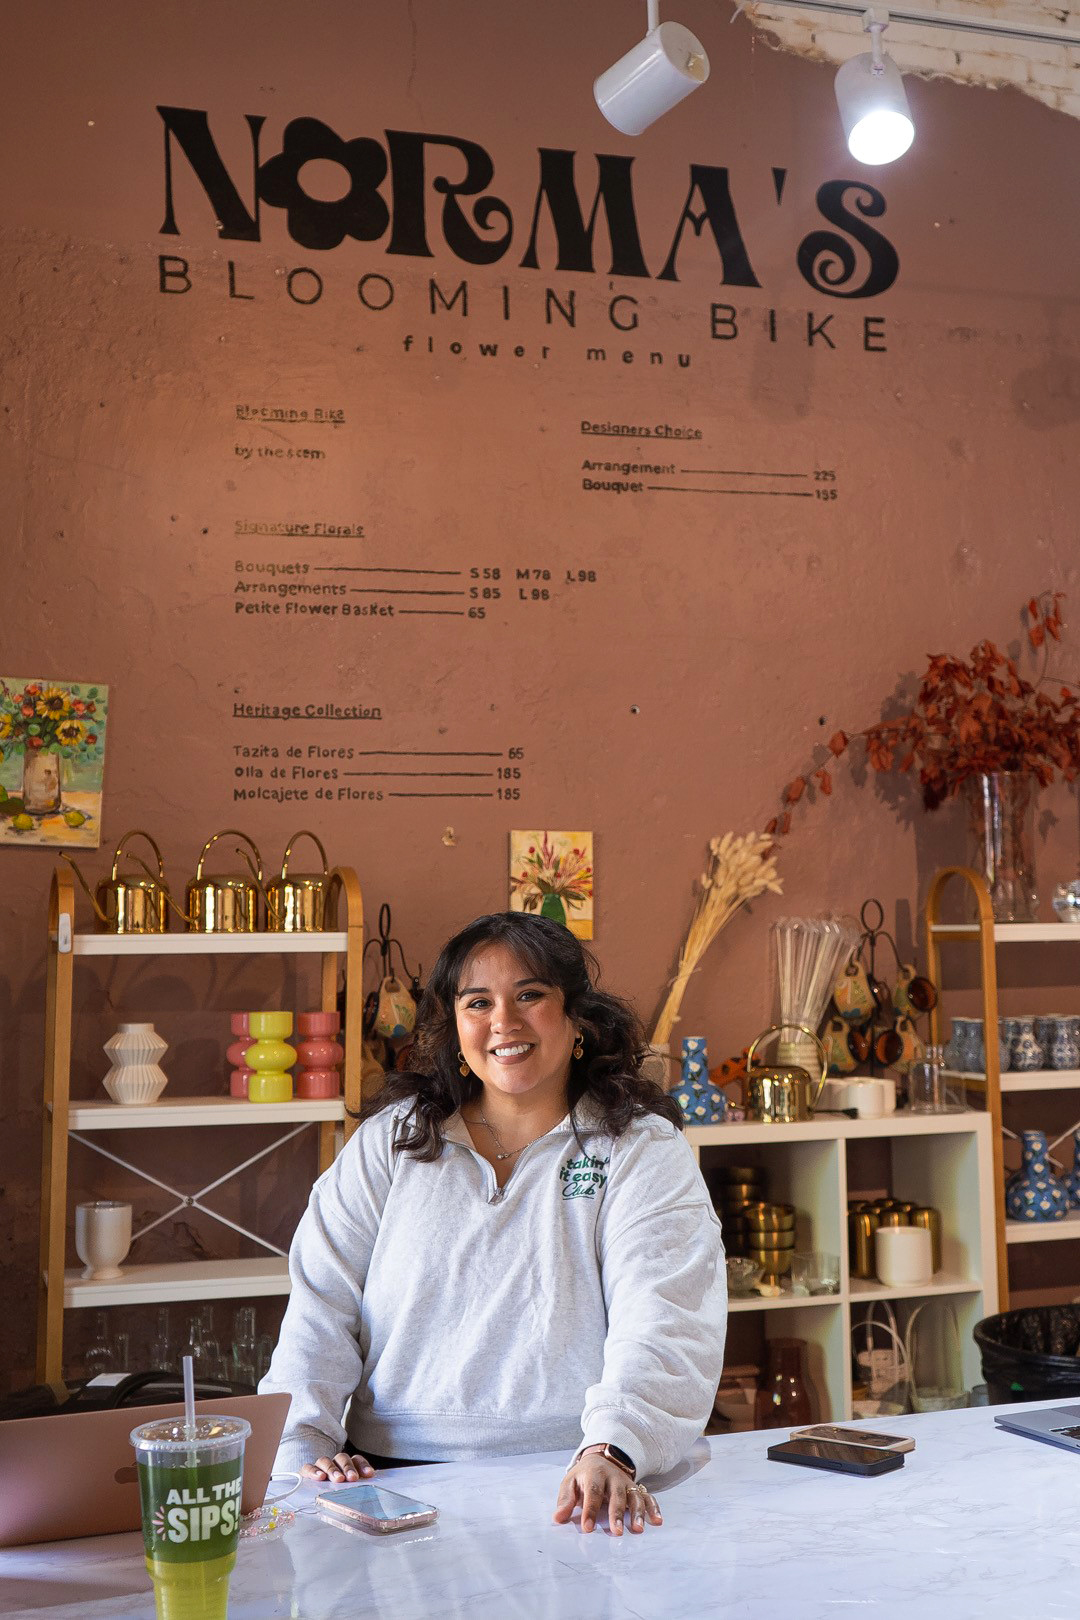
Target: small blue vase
1026, 1053
1071, 1182
1035, 1193
698, 1099
1064, 1048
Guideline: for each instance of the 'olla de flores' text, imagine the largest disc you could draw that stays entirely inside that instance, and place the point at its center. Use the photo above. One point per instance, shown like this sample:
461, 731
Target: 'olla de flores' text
423, 193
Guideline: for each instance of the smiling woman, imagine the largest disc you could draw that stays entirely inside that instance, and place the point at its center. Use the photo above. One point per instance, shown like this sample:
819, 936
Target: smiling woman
526, 1195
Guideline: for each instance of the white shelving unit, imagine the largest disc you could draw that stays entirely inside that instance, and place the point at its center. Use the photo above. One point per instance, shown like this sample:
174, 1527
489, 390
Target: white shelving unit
944, 1160
186, 1279
168, 1113
65, 1121
988, 936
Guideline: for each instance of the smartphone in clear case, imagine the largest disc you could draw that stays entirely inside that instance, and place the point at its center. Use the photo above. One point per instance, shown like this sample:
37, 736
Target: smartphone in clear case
370, 1507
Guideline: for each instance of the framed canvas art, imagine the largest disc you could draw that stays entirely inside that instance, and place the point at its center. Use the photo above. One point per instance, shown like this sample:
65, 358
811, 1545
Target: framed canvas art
552, 873
52, 758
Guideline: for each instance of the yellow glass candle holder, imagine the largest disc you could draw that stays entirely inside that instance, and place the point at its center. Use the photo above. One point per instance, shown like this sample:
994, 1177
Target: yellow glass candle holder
270, 1057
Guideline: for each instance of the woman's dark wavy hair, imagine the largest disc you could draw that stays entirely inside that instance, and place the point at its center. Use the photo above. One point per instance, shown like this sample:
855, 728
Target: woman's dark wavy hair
608, 1073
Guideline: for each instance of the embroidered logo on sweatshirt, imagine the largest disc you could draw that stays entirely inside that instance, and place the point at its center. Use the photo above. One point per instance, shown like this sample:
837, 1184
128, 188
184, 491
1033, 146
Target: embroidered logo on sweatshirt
584, 1176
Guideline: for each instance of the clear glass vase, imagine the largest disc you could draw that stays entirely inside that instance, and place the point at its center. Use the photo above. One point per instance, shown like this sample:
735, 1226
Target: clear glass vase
1001, 807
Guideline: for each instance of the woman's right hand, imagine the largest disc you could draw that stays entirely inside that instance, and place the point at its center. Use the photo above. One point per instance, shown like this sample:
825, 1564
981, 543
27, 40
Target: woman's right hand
338, 1468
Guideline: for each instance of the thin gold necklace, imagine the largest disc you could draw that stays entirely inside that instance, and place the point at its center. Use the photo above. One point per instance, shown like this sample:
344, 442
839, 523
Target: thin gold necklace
504, 1152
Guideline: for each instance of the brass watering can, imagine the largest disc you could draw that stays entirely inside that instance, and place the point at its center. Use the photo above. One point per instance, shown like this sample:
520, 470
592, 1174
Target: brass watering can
296, 901
130, 902
225, 903
781, 1094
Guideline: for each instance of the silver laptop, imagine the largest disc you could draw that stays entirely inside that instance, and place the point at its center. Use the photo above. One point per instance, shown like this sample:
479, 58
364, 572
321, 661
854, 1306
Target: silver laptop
73, 1473
1056, 1425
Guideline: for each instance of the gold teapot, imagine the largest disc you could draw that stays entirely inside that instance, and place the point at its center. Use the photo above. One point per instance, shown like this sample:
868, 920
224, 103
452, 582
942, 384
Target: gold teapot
781, 1094
225, 903
296, 901
130, 902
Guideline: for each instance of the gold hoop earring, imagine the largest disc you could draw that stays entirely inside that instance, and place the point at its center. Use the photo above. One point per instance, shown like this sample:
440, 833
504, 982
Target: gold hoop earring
463, 1067
579, 1046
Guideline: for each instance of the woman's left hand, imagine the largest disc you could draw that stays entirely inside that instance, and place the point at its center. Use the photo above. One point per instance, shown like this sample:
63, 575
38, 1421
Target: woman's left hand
594, 1483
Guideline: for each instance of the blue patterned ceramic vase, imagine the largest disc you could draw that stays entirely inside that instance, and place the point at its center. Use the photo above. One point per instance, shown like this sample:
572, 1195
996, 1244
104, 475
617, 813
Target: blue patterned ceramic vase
1025, 1051
1064, 1046
700, 1103
1044, 1034
1071, 1182
1035, 1193
963, 1051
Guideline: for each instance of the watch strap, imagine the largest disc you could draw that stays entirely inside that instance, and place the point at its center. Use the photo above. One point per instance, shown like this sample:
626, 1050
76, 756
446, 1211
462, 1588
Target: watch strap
613, 1454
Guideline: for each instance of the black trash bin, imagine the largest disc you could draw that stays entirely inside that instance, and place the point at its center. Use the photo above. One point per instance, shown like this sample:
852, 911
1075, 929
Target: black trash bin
1031, 1354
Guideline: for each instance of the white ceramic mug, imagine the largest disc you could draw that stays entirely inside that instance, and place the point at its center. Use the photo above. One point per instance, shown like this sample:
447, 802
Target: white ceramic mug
865, 1096
903, 1256
102, 1238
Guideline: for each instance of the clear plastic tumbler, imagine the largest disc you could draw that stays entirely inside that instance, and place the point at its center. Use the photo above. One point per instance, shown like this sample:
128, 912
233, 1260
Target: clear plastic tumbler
190, 1488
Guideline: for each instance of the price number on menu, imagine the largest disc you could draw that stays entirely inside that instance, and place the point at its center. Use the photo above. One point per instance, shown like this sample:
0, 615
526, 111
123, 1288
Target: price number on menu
509, 776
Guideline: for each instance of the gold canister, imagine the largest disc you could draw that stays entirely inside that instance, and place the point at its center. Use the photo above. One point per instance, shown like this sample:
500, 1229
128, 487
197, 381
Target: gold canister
225, 903
931, 1219
894, 1217
862, 1224
296, 901
130, 902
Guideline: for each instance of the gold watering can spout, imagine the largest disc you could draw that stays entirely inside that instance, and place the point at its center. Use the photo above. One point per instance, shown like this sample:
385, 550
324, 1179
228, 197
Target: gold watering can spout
127, 902
73, 863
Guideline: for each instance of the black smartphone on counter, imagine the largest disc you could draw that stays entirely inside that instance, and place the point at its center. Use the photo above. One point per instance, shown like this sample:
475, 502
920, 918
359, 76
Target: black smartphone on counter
837, 1458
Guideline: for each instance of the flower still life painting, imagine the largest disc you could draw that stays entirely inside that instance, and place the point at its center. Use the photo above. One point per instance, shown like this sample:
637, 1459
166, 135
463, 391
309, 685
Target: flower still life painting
552, 873
52, 756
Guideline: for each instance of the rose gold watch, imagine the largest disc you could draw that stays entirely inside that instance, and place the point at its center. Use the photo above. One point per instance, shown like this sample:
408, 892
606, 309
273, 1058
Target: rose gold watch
613, 1455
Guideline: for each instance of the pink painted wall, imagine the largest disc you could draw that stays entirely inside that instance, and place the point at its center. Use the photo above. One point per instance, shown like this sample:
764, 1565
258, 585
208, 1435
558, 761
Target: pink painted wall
726, 635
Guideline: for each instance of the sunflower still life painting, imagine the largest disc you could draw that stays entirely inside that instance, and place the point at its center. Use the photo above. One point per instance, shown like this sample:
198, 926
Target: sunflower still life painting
52, 756
552, 873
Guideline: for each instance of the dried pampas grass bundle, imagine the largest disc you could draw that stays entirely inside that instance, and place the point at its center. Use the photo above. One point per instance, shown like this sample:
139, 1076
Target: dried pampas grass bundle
739, 870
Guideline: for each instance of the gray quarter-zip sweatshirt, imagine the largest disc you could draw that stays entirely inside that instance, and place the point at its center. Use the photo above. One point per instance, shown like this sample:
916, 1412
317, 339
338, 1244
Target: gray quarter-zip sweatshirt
435, 1315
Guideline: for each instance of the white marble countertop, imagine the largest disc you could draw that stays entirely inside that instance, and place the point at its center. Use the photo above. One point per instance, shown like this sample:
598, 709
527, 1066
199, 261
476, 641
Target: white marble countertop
978, 1523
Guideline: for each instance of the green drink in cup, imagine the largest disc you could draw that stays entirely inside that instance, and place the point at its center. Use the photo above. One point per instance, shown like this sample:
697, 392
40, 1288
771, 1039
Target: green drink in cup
190, 1481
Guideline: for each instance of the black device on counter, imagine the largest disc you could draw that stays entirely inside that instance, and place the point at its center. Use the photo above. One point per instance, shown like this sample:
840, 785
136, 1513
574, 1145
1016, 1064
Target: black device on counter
837, 1458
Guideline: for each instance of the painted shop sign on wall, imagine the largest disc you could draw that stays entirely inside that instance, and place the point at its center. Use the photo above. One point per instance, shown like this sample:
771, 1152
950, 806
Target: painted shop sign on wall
402, 191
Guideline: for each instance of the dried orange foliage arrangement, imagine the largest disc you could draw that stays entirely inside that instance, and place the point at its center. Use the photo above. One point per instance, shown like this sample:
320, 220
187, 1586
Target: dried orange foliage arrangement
969, 717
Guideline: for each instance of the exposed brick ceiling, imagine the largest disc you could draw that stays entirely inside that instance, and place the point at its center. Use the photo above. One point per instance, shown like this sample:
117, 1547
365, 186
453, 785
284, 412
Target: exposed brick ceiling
1049, 71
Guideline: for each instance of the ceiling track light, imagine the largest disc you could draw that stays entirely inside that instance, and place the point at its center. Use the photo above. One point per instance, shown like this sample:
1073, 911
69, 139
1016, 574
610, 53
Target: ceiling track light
659, 72
870, 94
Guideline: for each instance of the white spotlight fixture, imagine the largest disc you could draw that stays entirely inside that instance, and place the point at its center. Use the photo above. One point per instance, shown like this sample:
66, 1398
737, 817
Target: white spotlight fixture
870, 94
655, 76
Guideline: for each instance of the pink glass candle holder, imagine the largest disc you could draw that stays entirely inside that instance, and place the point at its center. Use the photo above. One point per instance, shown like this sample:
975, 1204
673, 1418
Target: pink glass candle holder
318, 1055
238, 1081
239, 1023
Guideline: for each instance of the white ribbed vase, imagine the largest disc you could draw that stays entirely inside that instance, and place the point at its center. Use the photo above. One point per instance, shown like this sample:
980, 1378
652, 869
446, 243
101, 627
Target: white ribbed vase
135, 1076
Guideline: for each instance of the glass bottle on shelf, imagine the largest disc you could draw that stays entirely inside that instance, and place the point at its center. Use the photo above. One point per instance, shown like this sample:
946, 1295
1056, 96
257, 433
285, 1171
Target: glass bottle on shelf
162, 1356
263, 1351
196, 1348
926, 1084
215, 1367
99, 1356
121, 1352
243, 1367
782, 1400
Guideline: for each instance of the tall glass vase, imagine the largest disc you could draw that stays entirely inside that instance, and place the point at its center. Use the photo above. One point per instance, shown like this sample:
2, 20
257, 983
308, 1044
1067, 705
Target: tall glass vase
1001, 807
